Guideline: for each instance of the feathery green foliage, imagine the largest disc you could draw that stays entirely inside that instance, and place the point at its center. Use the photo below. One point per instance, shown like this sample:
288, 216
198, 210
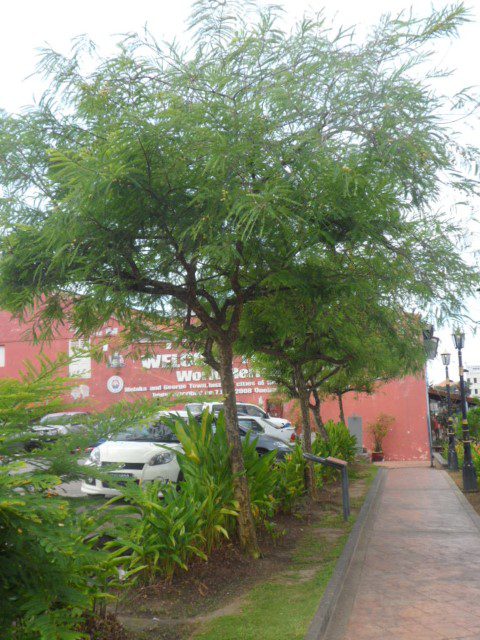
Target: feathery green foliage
169, 184
50, 575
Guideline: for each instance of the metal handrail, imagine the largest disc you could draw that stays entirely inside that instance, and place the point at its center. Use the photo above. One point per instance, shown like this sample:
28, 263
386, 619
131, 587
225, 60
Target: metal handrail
341, 465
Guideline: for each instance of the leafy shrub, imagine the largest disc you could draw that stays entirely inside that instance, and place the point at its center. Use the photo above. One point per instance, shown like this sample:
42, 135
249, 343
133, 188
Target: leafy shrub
50, 576
161, 528
473, 418
475, 455
206, 473
262, 475
290, 479
152, 535
340, 444
379, 430
205, 464
459, 449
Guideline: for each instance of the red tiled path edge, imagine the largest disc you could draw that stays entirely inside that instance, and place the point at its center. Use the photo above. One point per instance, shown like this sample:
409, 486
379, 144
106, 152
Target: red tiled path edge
415, 573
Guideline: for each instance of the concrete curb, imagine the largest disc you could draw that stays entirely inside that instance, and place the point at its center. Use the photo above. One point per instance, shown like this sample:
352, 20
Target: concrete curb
464, 502
329, 600
439, 460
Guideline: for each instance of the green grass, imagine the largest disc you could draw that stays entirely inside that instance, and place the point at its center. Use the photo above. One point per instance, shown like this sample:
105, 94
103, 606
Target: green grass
283, 607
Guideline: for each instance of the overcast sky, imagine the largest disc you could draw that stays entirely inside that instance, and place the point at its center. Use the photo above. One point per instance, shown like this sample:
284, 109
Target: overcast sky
27, 25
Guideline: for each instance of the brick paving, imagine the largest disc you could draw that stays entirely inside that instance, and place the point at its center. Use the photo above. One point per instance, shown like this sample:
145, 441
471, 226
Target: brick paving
416, 571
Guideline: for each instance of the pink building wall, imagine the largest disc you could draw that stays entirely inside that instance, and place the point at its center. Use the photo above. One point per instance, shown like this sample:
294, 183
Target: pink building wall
405, 400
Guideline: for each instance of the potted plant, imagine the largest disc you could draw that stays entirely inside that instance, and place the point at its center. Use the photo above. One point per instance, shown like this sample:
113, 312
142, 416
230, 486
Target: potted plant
379, 430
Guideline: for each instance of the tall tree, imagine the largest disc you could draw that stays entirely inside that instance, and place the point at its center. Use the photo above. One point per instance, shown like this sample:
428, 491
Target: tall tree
311, 345
186, 183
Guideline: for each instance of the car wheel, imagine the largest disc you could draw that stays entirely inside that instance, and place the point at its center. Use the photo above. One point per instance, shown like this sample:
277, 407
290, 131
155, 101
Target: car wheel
180, 478
31, 446
262, 452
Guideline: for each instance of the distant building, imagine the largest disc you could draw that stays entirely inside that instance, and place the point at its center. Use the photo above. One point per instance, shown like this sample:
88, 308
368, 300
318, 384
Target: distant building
472, 378
164, 371
442, 386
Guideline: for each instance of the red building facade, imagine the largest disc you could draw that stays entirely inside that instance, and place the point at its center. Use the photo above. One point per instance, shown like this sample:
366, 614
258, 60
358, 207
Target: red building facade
405, 400
167, 372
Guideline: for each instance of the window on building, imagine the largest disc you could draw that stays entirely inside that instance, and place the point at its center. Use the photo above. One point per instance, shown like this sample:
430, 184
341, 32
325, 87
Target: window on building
80, 364
2, 356
475, 380
475, 391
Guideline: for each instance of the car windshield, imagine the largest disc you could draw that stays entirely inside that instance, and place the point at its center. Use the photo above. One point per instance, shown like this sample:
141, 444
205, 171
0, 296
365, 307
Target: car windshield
272, 424
194, 407
251, 425
158, 432
252, 410
266, 424
64, 418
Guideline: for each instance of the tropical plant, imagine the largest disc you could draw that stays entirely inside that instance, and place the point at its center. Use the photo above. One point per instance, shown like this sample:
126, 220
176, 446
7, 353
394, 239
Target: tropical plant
379, 430
206, 470
340, 444
262, 479
162, 528
473, 417
290, 480
50, 575
206, 473
153, 536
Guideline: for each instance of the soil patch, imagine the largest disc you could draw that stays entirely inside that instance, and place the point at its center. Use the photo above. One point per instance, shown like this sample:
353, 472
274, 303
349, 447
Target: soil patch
208, 585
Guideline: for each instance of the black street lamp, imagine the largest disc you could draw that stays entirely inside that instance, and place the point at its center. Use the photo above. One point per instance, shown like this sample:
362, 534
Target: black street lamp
430, 343
470, 483
452, 452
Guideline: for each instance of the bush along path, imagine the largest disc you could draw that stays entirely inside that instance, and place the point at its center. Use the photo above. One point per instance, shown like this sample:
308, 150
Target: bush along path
82, 559
273, 597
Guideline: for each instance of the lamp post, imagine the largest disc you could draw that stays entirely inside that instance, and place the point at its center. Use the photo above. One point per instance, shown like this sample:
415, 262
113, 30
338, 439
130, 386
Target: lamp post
470, 483
430, 343
452, 452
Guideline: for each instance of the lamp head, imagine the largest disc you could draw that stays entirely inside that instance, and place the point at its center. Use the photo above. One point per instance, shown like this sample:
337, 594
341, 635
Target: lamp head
431, 347
458, 339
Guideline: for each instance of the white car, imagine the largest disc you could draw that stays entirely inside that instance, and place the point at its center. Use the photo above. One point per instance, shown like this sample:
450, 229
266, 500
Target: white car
243, 408
286, 434
59, 424
54, 425
144, 453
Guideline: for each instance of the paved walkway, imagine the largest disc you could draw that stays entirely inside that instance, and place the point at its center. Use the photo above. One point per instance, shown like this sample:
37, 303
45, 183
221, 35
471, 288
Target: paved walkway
416, 571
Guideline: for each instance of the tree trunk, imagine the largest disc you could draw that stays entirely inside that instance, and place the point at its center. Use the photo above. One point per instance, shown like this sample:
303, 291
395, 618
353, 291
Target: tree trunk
315, 409
246, 526
340, 407
302, 391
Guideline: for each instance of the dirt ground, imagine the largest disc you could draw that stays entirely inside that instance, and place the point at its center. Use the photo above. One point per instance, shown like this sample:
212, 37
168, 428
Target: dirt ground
171, 610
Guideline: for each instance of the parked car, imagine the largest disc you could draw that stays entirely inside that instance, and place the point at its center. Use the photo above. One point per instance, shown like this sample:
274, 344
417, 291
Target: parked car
143, 453
264, 443
54, 425
286, 433
243, 408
